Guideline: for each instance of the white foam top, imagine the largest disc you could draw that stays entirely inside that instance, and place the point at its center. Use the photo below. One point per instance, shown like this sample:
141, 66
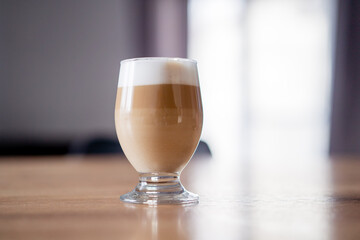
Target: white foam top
152, 71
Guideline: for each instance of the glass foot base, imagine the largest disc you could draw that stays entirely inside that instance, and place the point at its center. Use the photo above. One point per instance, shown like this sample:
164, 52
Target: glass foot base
154, 189
184, 198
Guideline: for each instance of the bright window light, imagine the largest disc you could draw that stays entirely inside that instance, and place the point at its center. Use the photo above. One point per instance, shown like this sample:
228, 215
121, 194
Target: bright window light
264, 70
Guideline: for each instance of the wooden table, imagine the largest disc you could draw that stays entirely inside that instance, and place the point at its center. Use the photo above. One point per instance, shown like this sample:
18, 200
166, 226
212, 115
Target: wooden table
78, 198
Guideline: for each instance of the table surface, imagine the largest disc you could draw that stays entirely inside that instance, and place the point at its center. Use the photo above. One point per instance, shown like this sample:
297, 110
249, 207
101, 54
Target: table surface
77, 197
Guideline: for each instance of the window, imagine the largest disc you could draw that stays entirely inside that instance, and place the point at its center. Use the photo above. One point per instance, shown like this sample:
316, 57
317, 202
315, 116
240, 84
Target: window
264, 70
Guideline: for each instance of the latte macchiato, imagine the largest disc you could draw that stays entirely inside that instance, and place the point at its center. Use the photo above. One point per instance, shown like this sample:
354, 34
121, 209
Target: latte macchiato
158, 115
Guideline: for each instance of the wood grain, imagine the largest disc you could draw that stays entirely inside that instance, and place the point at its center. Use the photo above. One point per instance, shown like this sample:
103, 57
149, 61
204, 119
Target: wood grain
78, 198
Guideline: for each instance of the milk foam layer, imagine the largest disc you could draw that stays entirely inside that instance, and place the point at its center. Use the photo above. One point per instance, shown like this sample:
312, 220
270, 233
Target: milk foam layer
153, 71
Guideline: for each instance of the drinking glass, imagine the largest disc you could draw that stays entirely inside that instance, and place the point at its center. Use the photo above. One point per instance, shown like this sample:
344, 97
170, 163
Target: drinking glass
159, 118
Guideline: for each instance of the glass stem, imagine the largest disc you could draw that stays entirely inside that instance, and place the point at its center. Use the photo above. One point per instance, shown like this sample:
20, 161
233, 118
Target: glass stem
159, 183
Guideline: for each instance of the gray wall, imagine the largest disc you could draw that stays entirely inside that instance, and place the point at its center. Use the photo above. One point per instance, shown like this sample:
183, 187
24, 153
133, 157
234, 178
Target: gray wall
59, 63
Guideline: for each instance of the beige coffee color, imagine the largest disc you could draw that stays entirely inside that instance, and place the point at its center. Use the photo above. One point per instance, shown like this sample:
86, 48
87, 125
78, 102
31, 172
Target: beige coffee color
159, 126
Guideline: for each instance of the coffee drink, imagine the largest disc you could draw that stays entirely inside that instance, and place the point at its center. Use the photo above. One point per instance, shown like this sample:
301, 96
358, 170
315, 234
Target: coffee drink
158, 115
158, 118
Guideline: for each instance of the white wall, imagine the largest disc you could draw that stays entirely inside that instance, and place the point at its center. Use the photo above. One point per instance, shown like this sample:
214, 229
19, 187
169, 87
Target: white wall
59, 63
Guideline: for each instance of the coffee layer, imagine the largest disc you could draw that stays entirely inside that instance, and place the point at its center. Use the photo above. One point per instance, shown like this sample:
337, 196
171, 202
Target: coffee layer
159, 96
159, 135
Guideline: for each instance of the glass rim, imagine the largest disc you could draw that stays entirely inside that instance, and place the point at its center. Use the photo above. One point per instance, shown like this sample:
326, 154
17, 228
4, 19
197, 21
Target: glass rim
158, 59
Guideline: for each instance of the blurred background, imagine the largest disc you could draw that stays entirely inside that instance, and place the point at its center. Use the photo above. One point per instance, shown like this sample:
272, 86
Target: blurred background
278, 77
